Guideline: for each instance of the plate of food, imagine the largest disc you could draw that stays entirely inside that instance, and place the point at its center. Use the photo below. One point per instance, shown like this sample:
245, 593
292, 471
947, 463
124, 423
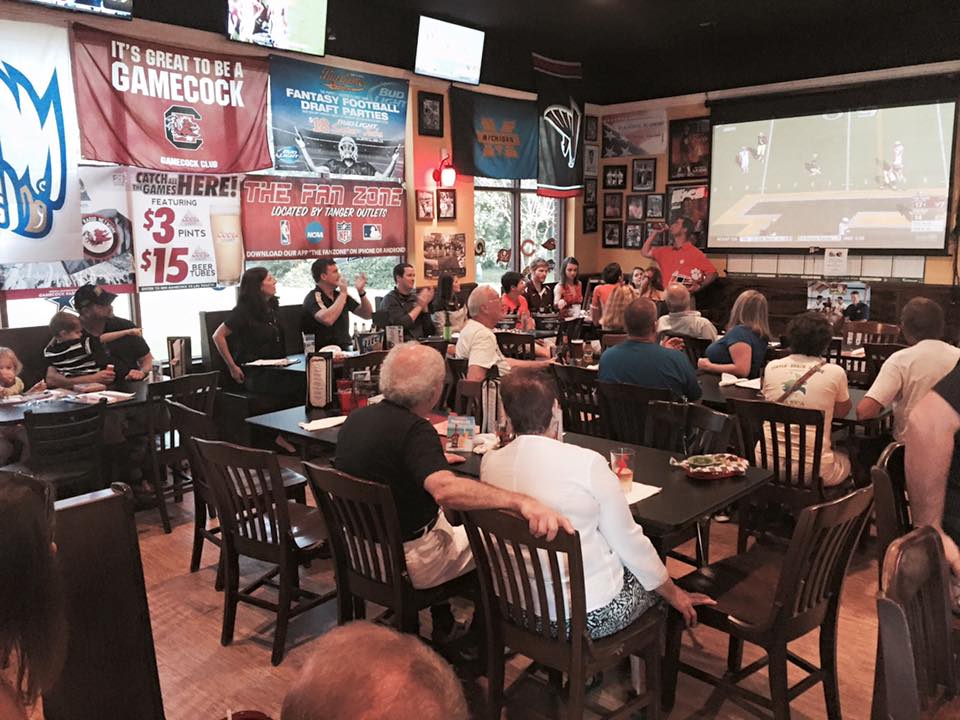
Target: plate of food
712, 466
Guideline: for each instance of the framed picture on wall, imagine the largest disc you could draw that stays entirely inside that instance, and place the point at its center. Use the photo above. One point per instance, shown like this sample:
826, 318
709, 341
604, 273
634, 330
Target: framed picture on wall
614, 177
589, 219
430, 114
634, 207
652, 227
644, 174
591, 129
424, 205
446, 204
612, 205
689, 150
634, 235
690, 201
591, 159
590, 191
654, 207
612, 235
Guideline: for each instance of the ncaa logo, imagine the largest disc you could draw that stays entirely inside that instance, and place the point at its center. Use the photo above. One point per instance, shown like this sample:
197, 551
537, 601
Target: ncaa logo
181, 124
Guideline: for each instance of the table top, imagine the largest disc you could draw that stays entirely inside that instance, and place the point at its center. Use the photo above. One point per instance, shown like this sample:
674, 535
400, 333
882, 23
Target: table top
287, 421
13, 414
681, 502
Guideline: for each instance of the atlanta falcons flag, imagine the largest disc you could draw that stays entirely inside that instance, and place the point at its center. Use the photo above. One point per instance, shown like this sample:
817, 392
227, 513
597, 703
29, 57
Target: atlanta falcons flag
561, 127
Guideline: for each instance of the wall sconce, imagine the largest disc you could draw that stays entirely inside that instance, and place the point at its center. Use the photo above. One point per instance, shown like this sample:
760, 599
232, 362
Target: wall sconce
445, 175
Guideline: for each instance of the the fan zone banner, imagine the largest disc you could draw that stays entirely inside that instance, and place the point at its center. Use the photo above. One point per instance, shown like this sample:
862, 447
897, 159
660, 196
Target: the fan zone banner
169, 108
107, 258
296, 218
561, 127
39, 198
493, 137
335, 121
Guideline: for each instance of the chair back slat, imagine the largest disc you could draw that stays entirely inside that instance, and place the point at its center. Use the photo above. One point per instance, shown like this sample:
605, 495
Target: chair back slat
519, 346
693, 347
197, 391
890, 496
623, 408
191, 423
857, 333
579, 400
70, 440
687, 428
366, 361
612, 339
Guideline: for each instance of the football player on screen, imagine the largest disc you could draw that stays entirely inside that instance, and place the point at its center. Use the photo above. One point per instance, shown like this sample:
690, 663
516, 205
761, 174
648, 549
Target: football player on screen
813, 165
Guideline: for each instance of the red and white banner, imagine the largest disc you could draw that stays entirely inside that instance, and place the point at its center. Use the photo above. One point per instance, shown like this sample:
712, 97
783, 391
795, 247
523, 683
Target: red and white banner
290, 218
168, 108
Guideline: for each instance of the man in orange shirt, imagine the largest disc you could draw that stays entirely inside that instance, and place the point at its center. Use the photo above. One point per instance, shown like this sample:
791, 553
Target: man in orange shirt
681, 261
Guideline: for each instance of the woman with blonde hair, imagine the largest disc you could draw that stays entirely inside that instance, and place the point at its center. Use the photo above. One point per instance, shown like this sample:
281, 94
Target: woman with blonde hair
743, 347
616, 306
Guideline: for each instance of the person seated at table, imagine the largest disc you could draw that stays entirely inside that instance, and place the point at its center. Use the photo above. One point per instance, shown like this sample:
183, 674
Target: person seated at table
123, 341
447, 308
407, 307
623, 575
648, 282
681, 320
410, 681
539, 297
743, 347
805, 379
641, 360
477, 343
568, 291
615, 306
74, 356
327, 308
393, 443
513, 300
907, 375
612, 279
33, 629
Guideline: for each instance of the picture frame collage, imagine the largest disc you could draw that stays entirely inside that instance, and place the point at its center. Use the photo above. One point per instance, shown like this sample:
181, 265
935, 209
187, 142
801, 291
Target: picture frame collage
591, 165
439, 204
633, 206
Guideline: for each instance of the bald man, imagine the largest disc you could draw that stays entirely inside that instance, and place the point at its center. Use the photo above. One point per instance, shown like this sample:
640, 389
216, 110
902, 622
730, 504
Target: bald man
364, 671
681, 320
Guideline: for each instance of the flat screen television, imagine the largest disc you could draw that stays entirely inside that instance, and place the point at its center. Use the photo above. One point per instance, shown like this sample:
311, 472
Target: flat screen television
297, 25
113, 8
449, 51
871, 180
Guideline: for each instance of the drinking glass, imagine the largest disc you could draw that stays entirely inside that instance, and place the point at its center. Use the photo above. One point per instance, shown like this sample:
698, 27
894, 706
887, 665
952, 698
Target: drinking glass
622, 463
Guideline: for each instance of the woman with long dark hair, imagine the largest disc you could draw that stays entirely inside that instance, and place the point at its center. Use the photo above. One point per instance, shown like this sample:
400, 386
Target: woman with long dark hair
447, 306
568, 291
32, 620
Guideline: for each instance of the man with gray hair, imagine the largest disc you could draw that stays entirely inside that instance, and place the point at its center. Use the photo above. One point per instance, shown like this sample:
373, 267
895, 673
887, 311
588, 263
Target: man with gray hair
478, 345
393, 443
681, 320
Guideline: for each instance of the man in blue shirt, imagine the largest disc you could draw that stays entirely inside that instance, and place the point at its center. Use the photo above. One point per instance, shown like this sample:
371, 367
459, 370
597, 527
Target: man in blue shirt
640, 360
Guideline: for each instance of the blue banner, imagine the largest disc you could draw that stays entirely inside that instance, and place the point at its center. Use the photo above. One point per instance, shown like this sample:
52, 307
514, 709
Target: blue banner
336, 121
493, 137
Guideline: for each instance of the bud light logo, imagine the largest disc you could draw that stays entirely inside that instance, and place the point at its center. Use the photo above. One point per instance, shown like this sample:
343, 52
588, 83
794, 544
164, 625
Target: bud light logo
314, 233
288, 155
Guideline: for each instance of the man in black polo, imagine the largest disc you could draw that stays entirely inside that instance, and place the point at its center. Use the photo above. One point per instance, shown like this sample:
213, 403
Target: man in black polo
327, 308
406, 307
856, 310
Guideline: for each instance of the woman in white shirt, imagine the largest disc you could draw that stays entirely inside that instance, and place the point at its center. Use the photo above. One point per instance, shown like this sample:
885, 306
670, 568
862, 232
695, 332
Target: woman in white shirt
825, 388
623, 575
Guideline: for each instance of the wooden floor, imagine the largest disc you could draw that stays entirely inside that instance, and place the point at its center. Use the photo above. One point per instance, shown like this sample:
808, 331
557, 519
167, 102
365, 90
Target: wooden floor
201, 679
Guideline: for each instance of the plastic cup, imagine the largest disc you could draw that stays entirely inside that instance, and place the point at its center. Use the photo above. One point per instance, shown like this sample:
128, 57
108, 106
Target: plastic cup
622, 462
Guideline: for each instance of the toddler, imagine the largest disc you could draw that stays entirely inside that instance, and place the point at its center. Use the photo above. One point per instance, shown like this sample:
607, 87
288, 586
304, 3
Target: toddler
11, 384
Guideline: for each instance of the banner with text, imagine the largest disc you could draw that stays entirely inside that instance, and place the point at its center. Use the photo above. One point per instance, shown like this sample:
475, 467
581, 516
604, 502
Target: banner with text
107, 245
39, 198
169, 108
493, 137
337, 121
634, 133
186, 230
296, 218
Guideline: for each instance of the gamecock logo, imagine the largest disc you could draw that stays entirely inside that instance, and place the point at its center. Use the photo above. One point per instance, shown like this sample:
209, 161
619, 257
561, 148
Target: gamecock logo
182, 127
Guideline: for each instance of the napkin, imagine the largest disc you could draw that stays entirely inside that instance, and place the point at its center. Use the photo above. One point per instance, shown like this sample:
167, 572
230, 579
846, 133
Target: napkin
485, 442
857, 352
728, 379
752, 384
323, 423
273, 362
639, 492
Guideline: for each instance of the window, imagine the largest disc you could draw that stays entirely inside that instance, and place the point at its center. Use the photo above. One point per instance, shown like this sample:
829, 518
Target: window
509, 215
166, 313
38, 311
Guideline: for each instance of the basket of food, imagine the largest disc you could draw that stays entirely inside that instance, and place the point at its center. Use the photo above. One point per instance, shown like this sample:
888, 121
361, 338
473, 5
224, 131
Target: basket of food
713, 466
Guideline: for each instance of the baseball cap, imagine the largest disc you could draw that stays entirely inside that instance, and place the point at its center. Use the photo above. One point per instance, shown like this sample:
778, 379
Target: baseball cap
92, 295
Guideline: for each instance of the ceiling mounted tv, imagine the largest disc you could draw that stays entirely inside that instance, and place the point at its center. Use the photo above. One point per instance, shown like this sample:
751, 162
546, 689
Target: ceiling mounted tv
297, 25
448, 51
113, 8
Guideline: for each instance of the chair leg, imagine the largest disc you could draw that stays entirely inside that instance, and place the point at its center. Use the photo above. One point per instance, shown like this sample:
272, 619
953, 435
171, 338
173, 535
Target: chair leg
576, 693
218, 583
651, 666
287, 592
828, 663
671, 660
177, 484
778, 682
743, 527
231, 565
734, 654
495, 672
346, 604
703, 542
878, 706
199, 524
158, 478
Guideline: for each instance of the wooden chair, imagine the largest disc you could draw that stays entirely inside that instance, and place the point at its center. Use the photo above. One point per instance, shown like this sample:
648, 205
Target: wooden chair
516, 599
766, 430
367, 361
519, 346
164, 444
469, 400
771, 596
579, 400
258, 521
611, 339
66, 449
439, 345
369, 563
456, 370
570, 329
913, 608
693, 347
857, 333
623, 408
877, 354
835, 351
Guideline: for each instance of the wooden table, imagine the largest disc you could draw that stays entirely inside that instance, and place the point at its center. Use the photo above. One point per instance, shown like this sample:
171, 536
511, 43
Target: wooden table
13, 414
287, 422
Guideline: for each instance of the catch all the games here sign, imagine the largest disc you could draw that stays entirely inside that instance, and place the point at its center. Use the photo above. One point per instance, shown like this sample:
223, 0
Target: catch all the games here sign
296, 218
168, 108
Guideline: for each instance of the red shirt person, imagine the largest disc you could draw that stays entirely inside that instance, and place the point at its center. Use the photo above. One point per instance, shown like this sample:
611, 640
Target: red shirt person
681, 261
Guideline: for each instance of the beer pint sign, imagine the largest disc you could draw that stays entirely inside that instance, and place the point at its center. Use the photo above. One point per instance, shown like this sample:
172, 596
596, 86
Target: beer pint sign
168, 108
